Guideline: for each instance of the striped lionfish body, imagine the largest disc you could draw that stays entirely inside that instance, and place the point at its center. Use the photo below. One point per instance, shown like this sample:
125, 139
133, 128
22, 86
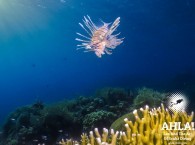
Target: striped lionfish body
101, 40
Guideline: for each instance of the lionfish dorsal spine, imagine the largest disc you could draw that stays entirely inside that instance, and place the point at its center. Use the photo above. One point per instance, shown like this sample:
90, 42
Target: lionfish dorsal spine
89, 24
92, 24
83, 36
117, 34
114, 26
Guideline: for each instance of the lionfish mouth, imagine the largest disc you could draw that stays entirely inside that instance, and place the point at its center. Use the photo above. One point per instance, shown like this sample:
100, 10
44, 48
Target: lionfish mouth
100, 40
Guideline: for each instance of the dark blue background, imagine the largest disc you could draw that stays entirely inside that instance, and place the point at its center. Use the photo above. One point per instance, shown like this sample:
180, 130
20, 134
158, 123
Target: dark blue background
39, 60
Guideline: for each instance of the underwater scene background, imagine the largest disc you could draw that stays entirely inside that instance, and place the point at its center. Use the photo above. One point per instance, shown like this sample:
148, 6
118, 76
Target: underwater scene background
41, 66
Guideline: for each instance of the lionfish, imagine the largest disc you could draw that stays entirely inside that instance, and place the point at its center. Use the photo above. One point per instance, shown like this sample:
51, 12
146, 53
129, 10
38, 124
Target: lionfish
101, 40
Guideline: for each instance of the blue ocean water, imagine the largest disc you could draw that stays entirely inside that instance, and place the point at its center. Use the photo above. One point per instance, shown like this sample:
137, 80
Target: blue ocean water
39, 60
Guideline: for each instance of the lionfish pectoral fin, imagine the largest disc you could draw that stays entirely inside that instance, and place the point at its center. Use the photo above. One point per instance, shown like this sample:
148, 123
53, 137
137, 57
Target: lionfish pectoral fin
116, 34
79, 48
83, 35
120, 40
108, 52
77, 39
88, 50
98, 54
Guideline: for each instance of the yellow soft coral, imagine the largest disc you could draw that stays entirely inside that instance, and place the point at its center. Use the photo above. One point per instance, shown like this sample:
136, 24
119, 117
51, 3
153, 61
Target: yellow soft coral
152, 127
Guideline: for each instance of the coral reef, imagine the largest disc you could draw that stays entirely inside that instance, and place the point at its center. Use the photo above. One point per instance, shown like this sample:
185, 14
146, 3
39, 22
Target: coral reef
149, 97
97, 119
109, 103
39, 123
46, 124
18, 127
145, 130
